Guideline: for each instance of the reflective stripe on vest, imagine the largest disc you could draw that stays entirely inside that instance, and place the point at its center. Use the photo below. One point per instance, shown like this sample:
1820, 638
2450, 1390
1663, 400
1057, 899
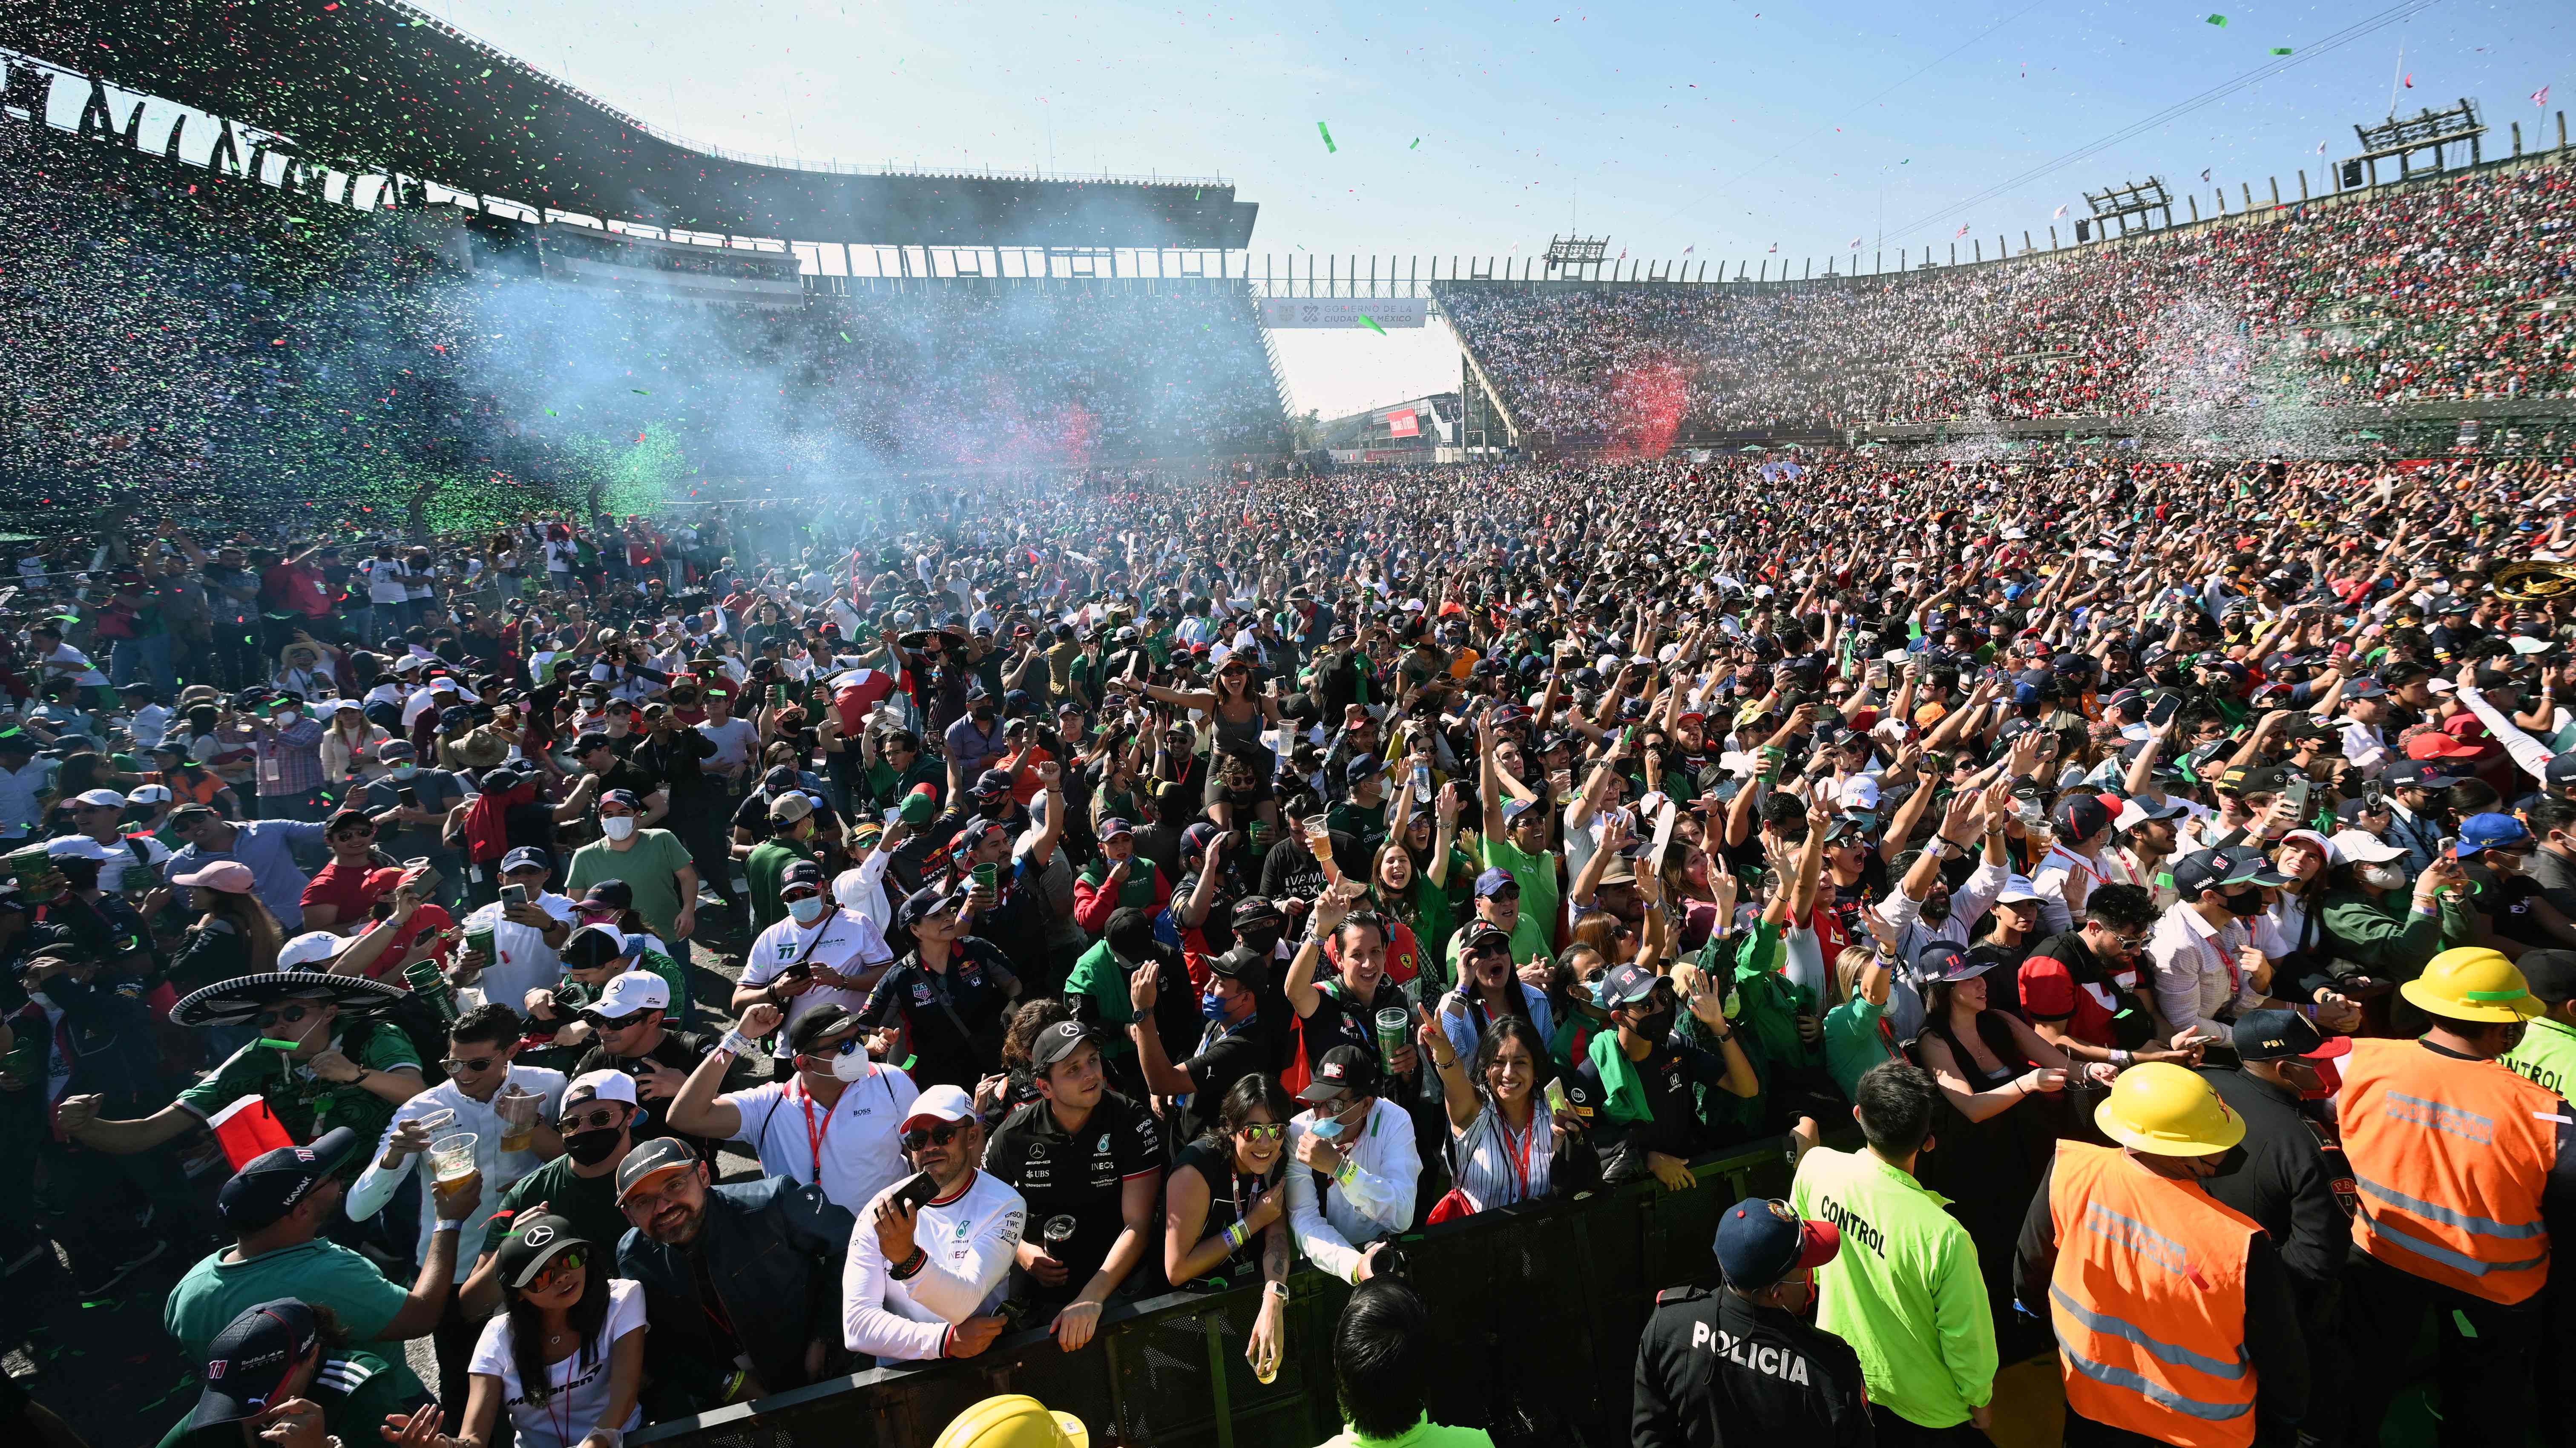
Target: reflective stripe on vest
2148, 1302
2449, 1157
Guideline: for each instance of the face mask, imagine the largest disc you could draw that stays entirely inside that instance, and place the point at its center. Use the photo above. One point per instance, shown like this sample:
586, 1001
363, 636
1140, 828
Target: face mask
617, 827
289, 716
1327, 1129
2244, 903
404, 771
852, 1067
807, 910
1657, 1026
590, 1148
983, 713
1211, 1008
2386, 875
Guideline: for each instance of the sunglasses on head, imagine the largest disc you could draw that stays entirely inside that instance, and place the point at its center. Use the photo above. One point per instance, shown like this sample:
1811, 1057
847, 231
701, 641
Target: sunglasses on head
930, 1136
282, 1016
566, 1262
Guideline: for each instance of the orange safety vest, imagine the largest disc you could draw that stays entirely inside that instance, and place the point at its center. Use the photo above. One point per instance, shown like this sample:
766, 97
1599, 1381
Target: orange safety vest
2449, 1157
2149, 1301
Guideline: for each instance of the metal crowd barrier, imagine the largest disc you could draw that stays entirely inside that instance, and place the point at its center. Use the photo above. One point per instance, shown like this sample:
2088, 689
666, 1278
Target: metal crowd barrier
1537, 1310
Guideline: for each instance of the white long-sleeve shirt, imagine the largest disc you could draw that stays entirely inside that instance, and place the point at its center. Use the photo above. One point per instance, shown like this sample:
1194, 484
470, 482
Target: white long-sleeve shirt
971, 1240
2049, 882
2528, 753
375, 1186
862, 888
1377, 1201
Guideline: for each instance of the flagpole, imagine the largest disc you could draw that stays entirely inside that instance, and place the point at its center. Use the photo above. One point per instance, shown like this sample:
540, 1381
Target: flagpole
2398, 75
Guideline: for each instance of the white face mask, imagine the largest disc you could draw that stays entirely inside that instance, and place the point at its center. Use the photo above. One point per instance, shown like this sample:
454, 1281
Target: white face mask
809, 909
617, 827
2385, 875
852, 1067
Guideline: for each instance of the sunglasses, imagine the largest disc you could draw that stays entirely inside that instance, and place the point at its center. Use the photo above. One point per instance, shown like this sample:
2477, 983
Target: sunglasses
602, 1119
934, 1136
567, 1262
1265, 1133
455, 1064
598, 1022
285, 1016
845, 1048
353, 832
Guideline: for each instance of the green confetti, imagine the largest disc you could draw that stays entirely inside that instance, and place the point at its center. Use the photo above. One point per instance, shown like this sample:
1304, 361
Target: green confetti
487, 70
640, 392
1372, 322
2460, 1320
1327, 133
846, 337
1417, 144
2218, 20
2280, 50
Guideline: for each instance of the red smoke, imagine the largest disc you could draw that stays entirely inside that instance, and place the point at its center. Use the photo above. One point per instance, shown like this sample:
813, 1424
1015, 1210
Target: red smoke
1647, 401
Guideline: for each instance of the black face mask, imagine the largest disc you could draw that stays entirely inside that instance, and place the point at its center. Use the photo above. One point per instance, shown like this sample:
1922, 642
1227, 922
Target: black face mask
1260, 939
590, 1148
983, 713
2244, 902
1658, 1026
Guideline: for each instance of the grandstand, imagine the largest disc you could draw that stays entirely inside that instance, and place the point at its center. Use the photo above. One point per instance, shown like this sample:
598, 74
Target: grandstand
244, 337
2405, 308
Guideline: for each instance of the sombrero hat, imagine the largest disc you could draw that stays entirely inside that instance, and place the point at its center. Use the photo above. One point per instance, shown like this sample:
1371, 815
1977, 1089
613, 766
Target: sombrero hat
233, 1002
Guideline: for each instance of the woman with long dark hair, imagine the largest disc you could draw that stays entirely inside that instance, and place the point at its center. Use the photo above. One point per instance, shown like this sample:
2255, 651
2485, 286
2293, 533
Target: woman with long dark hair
566, 1354
1506, 1145
1225, 1208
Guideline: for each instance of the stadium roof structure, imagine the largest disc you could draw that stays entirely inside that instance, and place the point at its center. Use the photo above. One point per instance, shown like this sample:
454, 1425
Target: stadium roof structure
382, 86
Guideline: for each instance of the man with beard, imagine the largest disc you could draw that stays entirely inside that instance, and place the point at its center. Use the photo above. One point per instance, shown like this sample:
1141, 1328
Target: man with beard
927, 1267
742, 1281
599, 1110
2081, 987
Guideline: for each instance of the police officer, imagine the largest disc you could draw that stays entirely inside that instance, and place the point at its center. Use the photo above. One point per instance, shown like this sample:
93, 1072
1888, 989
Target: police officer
2548, 1051
1742, 1357
2174, 1318
2462, 1168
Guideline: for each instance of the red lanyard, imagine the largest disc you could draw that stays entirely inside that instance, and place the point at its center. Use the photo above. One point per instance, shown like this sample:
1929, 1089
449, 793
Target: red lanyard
1519, 1158
813, 1136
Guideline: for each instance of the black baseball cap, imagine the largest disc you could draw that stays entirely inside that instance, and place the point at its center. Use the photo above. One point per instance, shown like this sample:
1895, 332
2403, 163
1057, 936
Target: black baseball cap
814, 1025
540, 1237
1244, 965
1345, 1072
2215, 869
1057, 1042
2549, 974
1628, 985
649, 1159
248, 1361
274, 1181
2272, 1035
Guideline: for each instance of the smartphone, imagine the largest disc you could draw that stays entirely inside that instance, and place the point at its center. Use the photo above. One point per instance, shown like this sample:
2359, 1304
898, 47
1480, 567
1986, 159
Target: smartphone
799, 971
2298, 793
515, 895
2374, 797
918, 1192
409, 796
2162, 712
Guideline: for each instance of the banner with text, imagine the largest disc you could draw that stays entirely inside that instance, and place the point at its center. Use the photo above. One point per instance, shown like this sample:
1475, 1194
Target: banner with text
1387, 312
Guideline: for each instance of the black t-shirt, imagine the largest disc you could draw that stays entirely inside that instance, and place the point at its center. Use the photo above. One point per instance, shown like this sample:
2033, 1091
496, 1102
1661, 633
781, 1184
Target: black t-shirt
1292, 869
1668, 1073
753, 814
932, 1006
1213, 1162
1075, 1174
1223, 1060
2506, 901
679, 1050
624, 773
673, 758
1337, 1023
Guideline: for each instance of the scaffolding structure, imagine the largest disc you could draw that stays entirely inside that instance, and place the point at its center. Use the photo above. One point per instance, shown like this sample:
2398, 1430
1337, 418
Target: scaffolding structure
2402, 137
2138, 199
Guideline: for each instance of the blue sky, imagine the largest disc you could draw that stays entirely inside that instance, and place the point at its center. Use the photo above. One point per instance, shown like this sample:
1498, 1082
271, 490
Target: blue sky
1727, 126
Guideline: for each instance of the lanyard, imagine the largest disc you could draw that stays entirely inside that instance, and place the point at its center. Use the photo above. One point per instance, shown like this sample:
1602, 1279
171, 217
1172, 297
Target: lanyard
813, 1135
1518, 1156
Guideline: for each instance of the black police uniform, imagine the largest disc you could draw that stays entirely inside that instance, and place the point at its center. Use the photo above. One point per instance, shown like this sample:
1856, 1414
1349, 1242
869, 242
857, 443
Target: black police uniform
1713, 1362
953, 1018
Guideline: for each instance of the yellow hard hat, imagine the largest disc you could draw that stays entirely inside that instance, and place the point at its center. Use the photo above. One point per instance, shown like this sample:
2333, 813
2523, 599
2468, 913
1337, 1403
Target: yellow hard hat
2163, 1110
1014, 1420
2472, 983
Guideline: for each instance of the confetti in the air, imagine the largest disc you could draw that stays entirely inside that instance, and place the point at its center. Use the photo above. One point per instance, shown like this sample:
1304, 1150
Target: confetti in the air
1372, 324
2218, 20
1327, 133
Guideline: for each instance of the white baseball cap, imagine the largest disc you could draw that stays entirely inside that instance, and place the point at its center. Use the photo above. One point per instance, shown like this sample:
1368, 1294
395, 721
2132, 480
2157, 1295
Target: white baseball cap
305, 949
941, 1103
149, 794
600, 1086
76, 847
636, 990
2361, 847
100, 799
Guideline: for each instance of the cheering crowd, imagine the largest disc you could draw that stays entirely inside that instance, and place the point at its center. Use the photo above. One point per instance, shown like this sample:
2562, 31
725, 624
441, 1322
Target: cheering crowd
1106, 885
2441, 290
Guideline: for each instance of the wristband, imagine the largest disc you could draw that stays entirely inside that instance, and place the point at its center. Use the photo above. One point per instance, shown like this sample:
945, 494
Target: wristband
1236, 1234
445, 1225
738, 1044
1344, 1172
2123, 1058
910, 1266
